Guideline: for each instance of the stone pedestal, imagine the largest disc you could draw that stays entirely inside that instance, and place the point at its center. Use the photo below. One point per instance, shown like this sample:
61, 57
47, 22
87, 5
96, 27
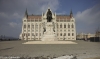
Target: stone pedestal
49, 35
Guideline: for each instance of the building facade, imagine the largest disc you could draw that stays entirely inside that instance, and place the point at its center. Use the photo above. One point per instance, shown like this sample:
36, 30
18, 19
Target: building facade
83, 36
35, 27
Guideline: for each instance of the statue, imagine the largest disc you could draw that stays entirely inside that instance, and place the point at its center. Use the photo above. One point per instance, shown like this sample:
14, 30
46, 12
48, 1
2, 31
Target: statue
49, 16
53, 26
44, 29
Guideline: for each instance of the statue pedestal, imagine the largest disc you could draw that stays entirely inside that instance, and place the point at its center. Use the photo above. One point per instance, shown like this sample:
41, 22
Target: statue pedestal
49, 35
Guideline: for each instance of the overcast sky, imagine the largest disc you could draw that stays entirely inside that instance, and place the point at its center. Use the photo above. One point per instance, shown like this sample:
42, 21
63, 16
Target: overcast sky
86, 13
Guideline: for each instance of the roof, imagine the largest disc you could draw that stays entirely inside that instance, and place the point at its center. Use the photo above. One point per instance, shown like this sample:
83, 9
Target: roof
61, 17
34, 17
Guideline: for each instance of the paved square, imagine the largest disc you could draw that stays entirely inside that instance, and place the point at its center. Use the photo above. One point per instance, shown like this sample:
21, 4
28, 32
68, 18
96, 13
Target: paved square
82, 49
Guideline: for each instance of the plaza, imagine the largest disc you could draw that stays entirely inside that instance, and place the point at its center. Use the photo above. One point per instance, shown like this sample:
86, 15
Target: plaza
83, 49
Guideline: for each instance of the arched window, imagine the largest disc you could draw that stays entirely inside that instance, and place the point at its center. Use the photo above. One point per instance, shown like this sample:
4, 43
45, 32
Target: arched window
72, 26
28, 26
36, 25
24, 26
68, 26
64, 26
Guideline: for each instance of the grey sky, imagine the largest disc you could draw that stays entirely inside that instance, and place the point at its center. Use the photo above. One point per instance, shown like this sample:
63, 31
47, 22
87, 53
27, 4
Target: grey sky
12, 11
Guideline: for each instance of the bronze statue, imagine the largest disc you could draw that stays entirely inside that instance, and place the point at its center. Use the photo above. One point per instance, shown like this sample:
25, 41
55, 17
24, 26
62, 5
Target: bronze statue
49, 16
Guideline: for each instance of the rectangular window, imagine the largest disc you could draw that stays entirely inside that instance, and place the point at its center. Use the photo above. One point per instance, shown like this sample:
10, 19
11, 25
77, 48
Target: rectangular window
68, 34
72, 34
32, 26
60, 34
60, 26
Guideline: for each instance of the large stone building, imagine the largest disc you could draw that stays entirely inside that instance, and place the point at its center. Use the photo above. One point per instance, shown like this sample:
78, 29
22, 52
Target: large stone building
48, 26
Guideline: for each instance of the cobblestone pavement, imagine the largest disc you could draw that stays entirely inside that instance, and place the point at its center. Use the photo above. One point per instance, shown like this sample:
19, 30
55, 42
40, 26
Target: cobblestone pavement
83, 49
